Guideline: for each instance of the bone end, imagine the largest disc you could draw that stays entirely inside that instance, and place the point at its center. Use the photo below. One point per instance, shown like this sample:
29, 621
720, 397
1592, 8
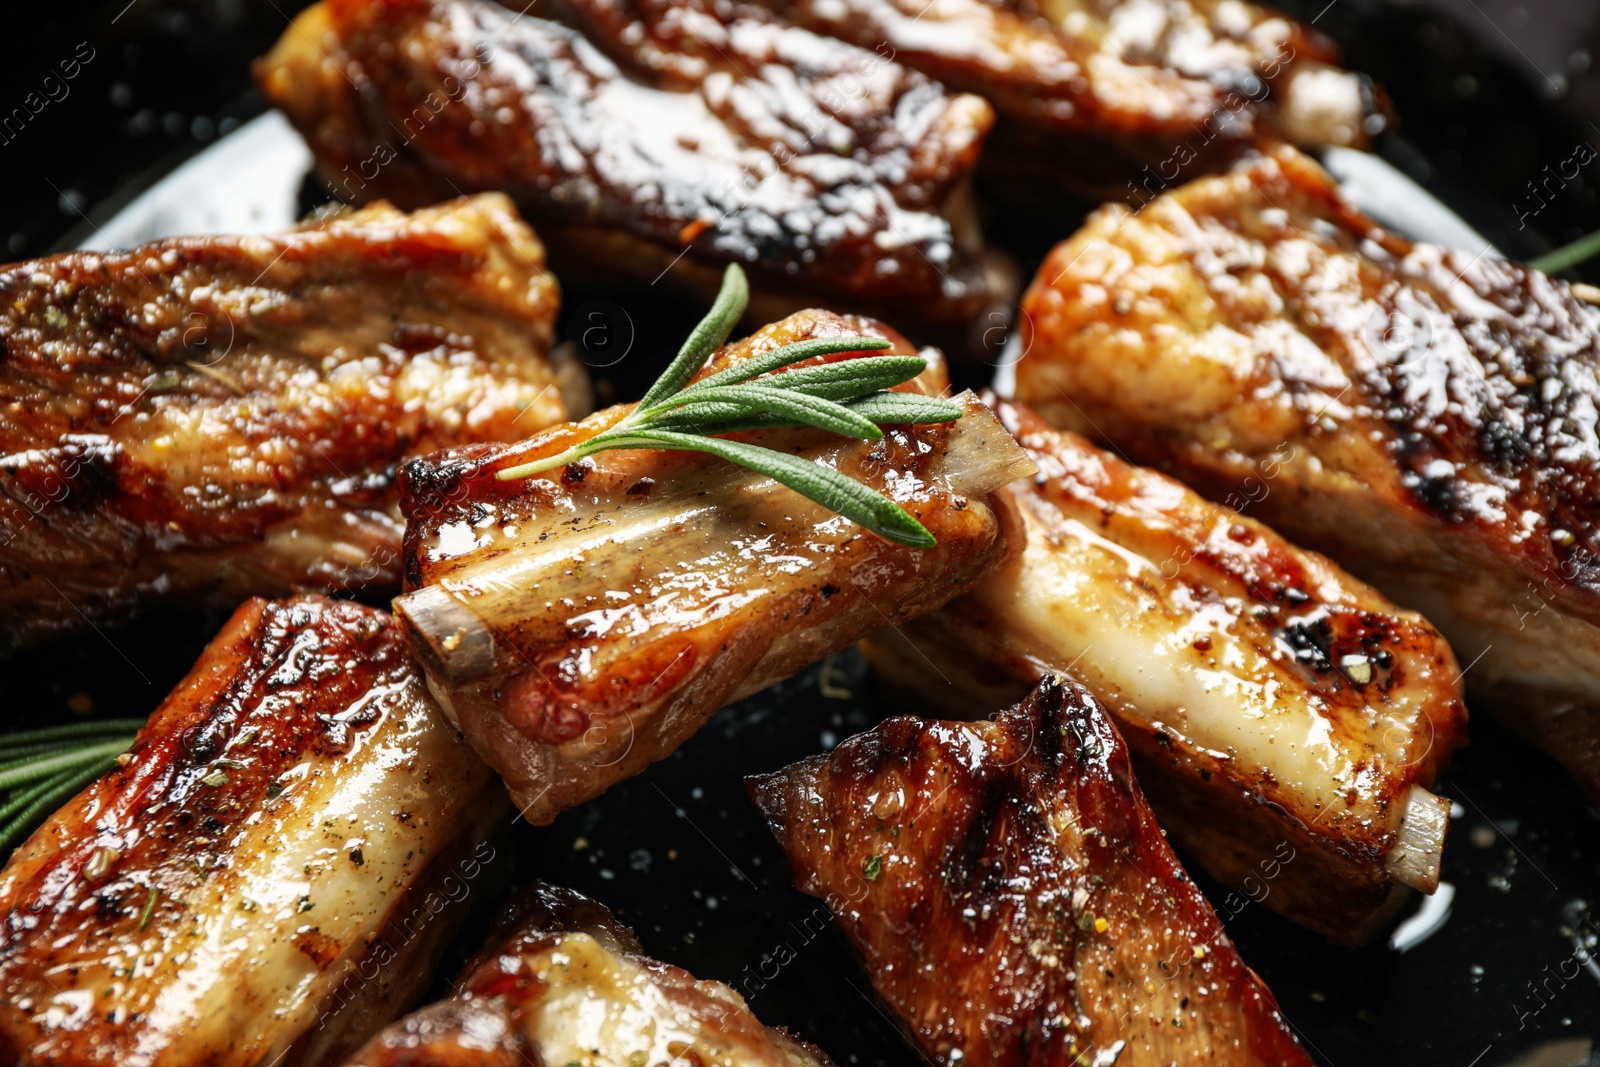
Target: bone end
453, 644
1414, 860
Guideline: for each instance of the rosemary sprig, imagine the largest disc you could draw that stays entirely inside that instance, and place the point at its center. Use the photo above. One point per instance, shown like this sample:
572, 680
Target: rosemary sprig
41, 769
1568, 255
849, 398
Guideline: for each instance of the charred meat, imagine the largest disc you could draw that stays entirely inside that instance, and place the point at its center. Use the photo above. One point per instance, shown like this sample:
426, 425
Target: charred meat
830, 172
1012, 897
1115, 99
1425, 417
267, 877
205, 419
1281, 714
580, 625
561, 981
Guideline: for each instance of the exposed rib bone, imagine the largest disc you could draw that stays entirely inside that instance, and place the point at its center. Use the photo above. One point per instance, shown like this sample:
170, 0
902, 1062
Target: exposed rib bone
581, 625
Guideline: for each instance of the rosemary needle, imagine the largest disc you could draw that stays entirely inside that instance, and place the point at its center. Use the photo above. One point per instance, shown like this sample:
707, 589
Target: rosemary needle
41, 769
23, 798
64, 759
49, 796
1568, 256
53, 734
848, 398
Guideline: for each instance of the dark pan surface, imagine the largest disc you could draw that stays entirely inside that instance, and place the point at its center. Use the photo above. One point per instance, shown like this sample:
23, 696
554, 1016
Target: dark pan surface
680, 852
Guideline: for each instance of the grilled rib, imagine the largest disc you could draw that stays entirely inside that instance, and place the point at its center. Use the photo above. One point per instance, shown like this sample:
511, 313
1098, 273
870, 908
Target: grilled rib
1013, 899
1427, 417
205, 419
828, 171
268, 877
1273, 704
580, 626
1114, 99
560, 981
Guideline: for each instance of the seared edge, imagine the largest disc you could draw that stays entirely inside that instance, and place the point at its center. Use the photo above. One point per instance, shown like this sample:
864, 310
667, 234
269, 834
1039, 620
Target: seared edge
258, 864
1013, 899
705, 136
207, 418
579, 626
561, 981
1271, 701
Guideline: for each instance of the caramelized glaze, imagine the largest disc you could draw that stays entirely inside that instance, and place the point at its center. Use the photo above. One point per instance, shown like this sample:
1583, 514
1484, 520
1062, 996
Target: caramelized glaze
1428, 418
1012, 898
560, 981
1274, 705
671, 140
1114, 100
206, 418
581, 624
268, 877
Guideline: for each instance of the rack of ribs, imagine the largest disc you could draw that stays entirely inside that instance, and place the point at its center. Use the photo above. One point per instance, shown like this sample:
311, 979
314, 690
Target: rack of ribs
270, 873
1012, 898
204, 419
583, 624
561, 981
1282, 715
661, 147
1116, 99
1425, 417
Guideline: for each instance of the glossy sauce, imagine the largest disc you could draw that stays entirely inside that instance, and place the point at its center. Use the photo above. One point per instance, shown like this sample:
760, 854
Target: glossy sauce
1012, 898
562, 982
208, 418
659, 136
264, 859
1431, 419
608, 609
1236, 665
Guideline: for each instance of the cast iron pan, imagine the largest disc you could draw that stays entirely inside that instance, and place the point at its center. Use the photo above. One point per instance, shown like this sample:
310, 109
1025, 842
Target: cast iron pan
1495, 971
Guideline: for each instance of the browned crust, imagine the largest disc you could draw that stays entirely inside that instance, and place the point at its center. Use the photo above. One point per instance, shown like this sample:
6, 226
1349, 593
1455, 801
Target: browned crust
1489, 404
491, 1020
283, 687
1231, 819
207, 418
560, 730
1423, 416
1327, 878
1084, 110
843, 181
1012, 897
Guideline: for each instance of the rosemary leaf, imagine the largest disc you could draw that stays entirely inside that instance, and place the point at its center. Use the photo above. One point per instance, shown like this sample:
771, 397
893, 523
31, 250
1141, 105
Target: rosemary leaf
70, 731
710, 417
750, 400
46, 766
26, 754
884, 409
714, 329
849, 378
41, 769
837, 492
842, 397
784, 355
1568, 256
25, 797
54, 792
904, 409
